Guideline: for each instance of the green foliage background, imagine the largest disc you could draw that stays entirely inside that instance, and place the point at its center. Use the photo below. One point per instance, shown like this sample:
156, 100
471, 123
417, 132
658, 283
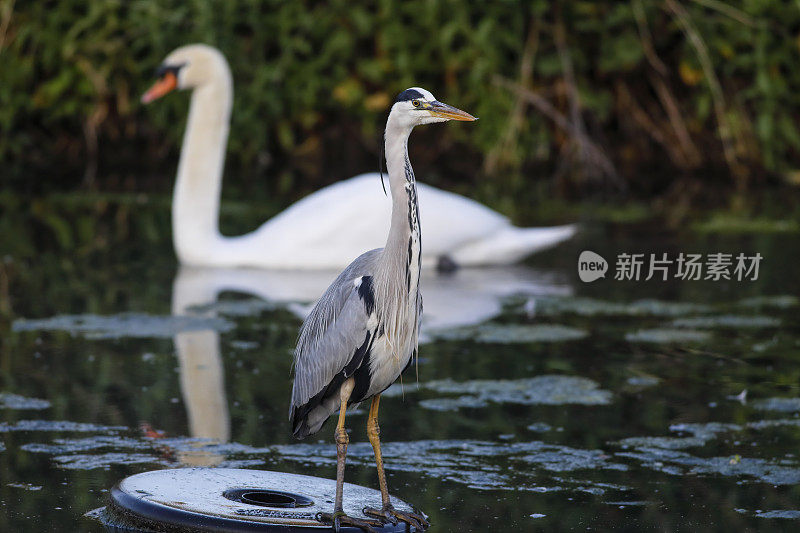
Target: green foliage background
701, 90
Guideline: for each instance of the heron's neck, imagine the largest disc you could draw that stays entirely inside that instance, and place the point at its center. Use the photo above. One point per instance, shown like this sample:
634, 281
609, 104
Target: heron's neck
401, 255
195, 204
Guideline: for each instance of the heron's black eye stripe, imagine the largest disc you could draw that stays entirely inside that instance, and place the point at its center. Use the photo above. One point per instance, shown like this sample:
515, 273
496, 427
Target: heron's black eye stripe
163, 70
408, 94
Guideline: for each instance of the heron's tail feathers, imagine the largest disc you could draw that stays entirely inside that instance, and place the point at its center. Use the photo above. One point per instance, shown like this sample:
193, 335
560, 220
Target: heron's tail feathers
301, 430
511, 244
307, 420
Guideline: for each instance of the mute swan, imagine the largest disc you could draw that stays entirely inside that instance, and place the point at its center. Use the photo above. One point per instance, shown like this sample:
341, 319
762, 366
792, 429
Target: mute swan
326, 229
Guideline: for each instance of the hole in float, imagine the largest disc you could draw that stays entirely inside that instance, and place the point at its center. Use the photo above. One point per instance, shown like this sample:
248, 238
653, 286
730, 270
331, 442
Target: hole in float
268, 498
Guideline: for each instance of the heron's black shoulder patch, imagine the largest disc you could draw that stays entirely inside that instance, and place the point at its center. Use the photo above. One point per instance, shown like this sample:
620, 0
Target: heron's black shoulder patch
361, 375
408, 94
367, 294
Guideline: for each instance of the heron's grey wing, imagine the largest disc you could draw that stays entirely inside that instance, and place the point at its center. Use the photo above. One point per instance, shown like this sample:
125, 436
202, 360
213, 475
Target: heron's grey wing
331, 303
333, 336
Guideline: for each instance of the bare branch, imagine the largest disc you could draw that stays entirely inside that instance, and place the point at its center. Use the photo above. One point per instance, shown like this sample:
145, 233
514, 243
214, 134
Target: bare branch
646, 38
730, 11
517, 114
641, 117
5, 21
593, 152
669, 104
717, 97
568, 74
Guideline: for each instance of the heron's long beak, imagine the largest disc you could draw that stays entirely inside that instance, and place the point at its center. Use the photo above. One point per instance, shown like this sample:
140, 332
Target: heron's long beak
167, 83
439, 109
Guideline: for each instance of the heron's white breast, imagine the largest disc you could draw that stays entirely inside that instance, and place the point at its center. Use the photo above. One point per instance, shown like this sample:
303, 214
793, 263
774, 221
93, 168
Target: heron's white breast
385, 364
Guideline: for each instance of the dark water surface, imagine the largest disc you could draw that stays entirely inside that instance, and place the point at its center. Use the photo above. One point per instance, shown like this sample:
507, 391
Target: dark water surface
543, 403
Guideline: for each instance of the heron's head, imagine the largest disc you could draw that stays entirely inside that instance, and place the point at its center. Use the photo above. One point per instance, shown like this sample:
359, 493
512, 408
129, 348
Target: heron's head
417, 106
188, 67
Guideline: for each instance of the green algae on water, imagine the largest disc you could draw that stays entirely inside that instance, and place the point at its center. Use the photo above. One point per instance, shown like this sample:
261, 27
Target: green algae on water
699, 435
779, 302
768, 424
125, 325
512, 333
472, 463
106, 460
57, 426
643, 381
727, 321
243, 345
237, 308
781, 405
680, 463
64, 446
665, 454
540, 427
25, 486
14, 401
668, 336
785, 514
551, 306
540, 390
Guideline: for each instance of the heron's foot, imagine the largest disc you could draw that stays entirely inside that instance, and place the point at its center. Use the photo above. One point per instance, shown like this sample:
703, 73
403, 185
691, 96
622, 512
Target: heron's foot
390, 514
339, 518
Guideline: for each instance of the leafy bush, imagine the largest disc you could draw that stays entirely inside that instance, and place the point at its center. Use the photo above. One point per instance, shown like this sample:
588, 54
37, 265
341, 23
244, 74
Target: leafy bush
587, 91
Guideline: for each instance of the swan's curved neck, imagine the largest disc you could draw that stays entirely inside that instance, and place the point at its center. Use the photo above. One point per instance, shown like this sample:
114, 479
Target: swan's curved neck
195, 204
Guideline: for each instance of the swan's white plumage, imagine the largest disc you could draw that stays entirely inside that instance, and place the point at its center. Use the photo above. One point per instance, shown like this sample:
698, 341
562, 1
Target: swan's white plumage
329, 228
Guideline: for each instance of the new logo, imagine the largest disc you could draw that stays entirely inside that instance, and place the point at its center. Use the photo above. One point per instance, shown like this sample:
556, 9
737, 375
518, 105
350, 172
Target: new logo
591, 266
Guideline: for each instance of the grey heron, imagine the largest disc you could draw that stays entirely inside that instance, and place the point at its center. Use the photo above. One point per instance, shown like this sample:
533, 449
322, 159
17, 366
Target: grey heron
363, 331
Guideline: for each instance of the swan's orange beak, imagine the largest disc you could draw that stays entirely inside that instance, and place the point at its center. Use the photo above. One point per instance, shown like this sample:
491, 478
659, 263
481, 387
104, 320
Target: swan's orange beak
167, 83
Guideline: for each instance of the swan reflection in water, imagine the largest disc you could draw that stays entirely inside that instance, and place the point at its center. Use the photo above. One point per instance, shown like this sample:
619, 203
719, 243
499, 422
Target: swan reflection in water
465, 297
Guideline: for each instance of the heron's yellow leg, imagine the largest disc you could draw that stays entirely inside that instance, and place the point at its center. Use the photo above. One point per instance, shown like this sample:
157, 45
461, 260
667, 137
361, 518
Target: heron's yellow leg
387, 511
338, 518
341, 442
374, 434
